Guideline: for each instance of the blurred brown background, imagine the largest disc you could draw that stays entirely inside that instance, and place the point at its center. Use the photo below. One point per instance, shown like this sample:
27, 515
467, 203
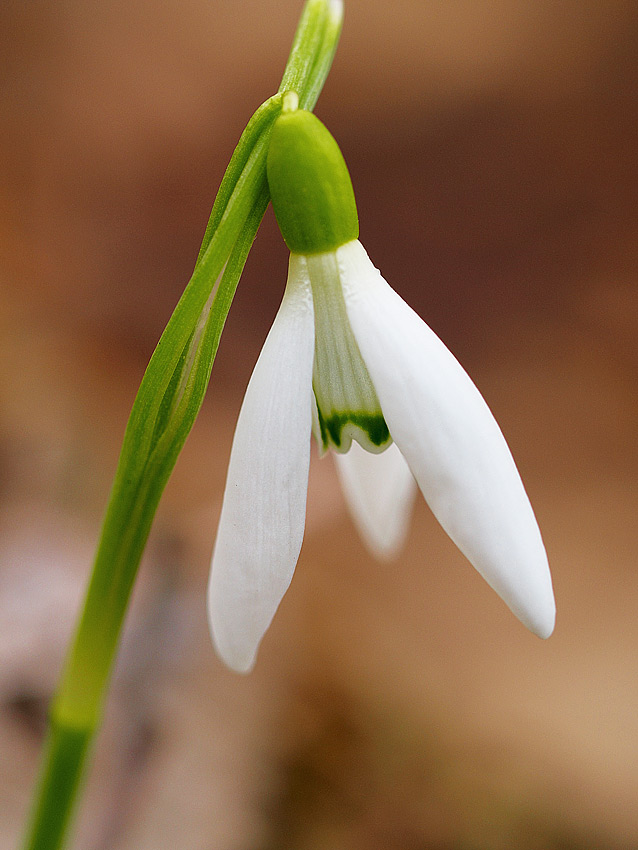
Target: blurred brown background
492, 145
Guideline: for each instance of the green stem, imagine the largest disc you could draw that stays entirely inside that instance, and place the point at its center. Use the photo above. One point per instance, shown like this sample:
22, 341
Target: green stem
165, 408
323, 57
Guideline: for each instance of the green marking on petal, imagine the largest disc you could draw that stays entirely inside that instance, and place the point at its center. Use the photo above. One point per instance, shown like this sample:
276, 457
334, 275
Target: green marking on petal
338, 431
347, 404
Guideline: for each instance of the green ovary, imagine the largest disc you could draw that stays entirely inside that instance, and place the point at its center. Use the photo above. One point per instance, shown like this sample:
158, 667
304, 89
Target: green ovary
347, 404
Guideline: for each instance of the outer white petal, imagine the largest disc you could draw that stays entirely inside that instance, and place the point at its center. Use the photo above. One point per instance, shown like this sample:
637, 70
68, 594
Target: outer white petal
379, 490
263, 514
451, 441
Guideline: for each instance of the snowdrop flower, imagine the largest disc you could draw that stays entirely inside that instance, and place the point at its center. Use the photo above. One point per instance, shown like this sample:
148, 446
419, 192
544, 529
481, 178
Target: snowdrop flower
348, 359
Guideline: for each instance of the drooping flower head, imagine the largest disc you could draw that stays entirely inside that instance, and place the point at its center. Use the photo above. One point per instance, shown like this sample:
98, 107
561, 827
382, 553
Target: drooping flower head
349, 360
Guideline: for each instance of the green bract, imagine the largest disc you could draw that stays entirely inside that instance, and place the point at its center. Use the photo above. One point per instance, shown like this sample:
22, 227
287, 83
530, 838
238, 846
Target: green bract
310, 186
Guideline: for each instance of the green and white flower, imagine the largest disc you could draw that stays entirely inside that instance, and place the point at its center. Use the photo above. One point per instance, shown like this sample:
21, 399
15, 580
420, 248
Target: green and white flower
350, 361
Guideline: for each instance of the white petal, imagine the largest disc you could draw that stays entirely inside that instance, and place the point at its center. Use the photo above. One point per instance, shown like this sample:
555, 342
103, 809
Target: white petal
379, 490
451, 441
263, 514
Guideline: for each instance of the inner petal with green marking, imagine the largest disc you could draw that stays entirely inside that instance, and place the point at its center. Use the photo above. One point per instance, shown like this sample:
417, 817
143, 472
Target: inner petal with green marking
347, 405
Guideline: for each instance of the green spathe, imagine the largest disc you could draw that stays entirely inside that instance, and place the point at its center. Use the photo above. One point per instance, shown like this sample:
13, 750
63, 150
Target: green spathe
310, 186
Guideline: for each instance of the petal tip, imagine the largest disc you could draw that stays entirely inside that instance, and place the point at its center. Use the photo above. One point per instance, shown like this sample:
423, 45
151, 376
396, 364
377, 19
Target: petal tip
237, 658
542, 619
242, 665
545, 628
230, 637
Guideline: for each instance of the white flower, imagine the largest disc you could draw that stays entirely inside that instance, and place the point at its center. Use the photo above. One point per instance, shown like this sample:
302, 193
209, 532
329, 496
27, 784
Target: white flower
348, 358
